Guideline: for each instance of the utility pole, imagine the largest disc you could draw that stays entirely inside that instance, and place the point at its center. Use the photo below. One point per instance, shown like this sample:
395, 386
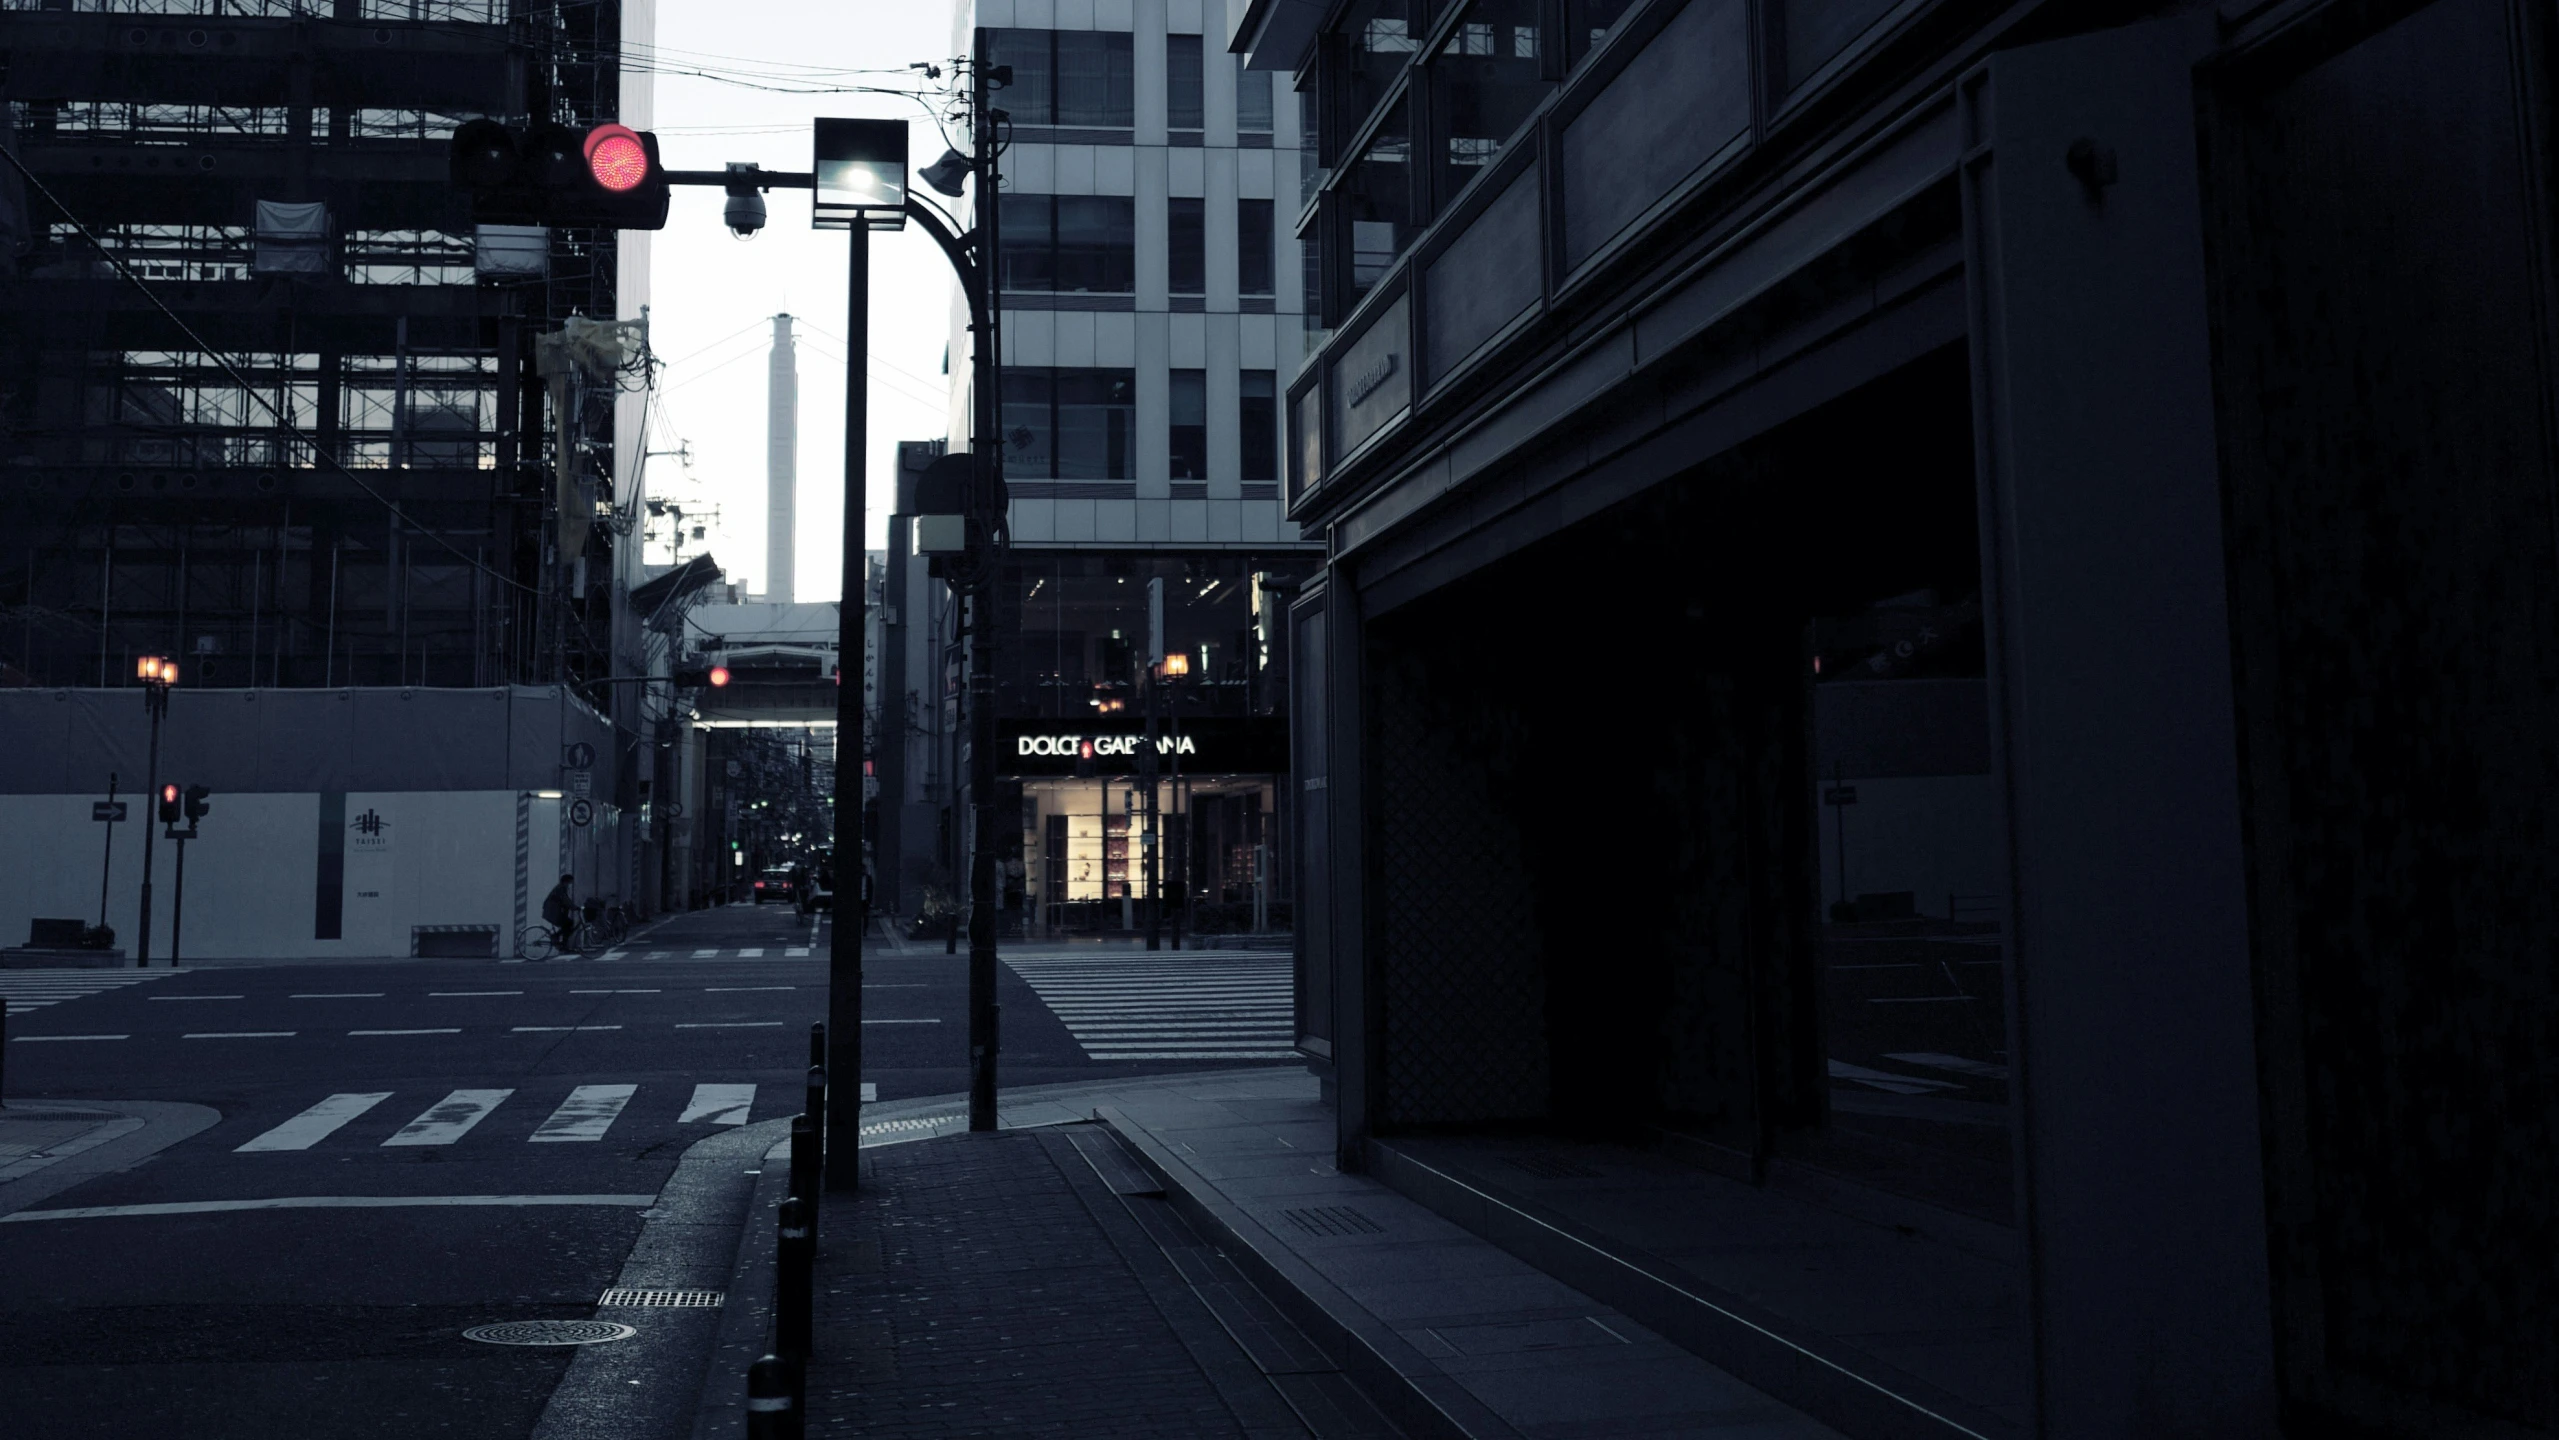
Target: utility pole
985, 571
1153, 679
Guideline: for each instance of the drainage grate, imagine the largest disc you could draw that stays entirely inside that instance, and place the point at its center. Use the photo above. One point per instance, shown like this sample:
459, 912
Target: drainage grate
621, 1296
549, 1332
1332, 1220
1551, 1168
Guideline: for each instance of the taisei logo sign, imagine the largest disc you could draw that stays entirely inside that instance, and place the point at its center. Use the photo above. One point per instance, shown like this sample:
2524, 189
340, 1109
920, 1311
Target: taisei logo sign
1100, 746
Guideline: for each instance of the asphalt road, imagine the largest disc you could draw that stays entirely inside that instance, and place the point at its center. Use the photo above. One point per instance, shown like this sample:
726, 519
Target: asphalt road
462, 1089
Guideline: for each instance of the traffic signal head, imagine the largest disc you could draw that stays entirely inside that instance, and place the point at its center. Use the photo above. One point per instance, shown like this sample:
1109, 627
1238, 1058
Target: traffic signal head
696, 677
168, 804
719, 676
604, 175
199, 802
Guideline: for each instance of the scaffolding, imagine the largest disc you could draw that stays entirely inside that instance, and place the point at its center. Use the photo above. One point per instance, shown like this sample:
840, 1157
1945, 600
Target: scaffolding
351, 471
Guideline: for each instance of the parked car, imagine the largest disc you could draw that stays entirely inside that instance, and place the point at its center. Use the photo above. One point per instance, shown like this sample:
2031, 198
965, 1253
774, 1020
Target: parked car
776, 885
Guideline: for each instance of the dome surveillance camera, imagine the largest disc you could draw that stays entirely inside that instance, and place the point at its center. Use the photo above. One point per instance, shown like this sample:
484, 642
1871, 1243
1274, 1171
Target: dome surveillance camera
744, 215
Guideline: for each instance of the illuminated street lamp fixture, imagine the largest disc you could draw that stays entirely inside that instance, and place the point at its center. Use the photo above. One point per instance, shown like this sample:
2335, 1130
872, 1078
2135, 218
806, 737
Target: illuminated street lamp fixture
860, 174
1176, 663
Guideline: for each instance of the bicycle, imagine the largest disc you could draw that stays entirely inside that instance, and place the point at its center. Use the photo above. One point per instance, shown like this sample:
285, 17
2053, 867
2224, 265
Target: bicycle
540, 942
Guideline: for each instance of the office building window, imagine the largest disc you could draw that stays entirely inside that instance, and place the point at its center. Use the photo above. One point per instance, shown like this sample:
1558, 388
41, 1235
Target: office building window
1084, 78
1587, 22
1376, 202
1189, 425
1257, 417
1379, 38
1182, 80
1069, 424
1253, 238
1252, 100
1186, 246
1484, 81
1071, 243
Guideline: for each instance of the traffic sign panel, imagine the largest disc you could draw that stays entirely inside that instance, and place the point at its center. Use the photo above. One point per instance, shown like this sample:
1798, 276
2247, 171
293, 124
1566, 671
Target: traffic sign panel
580, 755
581, 812
110, 811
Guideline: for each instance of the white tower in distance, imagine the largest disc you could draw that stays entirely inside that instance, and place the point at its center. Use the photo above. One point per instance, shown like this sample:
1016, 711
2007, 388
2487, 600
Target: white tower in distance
781, 465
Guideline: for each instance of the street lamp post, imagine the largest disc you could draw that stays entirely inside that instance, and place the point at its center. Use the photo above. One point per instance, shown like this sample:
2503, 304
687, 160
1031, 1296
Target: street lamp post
157, 673
859, 180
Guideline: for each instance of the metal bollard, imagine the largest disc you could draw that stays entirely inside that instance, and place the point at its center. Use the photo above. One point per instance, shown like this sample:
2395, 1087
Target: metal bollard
773, 1401
807, 1168
816, 1109
817, 1042
794, 1283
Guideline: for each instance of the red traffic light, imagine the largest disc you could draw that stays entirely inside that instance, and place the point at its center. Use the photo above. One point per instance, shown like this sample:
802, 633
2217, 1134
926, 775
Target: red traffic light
616, 158
719, 676
168, 794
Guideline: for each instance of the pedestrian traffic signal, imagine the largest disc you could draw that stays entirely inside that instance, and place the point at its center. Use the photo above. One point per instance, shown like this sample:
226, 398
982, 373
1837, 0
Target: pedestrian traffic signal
605, 175
199, 802
168, 804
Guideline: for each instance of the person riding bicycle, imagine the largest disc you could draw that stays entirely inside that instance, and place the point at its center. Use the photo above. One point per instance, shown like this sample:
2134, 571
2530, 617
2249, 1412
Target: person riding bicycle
559, 911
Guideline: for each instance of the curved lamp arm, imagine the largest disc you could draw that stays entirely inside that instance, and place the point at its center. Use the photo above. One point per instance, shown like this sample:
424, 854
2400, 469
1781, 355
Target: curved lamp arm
955, 249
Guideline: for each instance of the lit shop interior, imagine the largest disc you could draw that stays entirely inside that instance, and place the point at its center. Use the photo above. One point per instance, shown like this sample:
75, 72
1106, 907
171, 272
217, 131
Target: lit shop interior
1074, 702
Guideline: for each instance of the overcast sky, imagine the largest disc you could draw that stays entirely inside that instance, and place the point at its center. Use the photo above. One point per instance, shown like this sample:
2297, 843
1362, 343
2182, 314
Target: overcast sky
713, 294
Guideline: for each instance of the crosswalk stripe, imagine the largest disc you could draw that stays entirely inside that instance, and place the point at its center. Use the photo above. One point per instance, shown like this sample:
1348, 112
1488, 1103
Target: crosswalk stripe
752, 953
317, 1123
28, 991
589, 1111
796, 950
1182, 1006
718, 1105
451, 1118
705, 954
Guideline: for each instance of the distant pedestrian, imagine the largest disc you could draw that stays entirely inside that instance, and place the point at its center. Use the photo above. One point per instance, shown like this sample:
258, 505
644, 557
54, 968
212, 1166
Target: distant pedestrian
557, 908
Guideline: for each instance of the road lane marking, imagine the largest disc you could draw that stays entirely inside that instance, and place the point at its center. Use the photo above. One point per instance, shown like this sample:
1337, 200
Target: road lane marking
555, 1029
796, 950
339, 995
615, 992
718, 1105
870, 1092
453, 1030
29, 1039
755, 953
450, 1118
735, 989
240, 1035
589, 1111
195, 997
910, 985
1935, 1060
453, 994
727, 1024
705, 954
654, 955
935, 1020
315, 1124
321, 1202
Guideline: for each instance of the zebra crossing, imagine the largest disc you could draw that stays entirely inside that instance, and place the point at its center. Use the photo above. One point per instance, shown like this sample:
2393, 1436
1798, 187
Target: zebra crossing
27, 990
685, 952
587, 1114
1170, 1004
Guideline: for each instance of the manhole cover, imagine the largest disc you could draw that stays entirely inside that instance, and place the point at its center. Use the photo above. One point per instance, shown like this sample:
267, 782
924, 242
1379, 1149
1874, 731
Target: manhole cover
549, 1332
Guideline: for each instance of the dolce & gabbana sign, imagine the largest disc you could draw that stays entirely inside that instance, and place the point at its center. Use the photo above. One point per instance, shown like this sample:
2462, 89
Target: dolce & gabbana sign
1201, 745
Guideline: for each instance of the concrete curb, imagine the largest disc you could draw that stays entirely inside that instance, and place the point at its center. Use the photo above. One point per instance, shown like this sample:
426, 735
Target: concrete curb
147, 1128
1419, 1396
649, 1386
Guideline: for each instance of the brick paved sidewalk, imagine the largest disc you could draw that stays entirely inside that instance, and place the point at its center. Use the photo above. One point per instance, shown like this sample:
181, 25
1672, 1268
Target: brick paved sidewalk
992, 1285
